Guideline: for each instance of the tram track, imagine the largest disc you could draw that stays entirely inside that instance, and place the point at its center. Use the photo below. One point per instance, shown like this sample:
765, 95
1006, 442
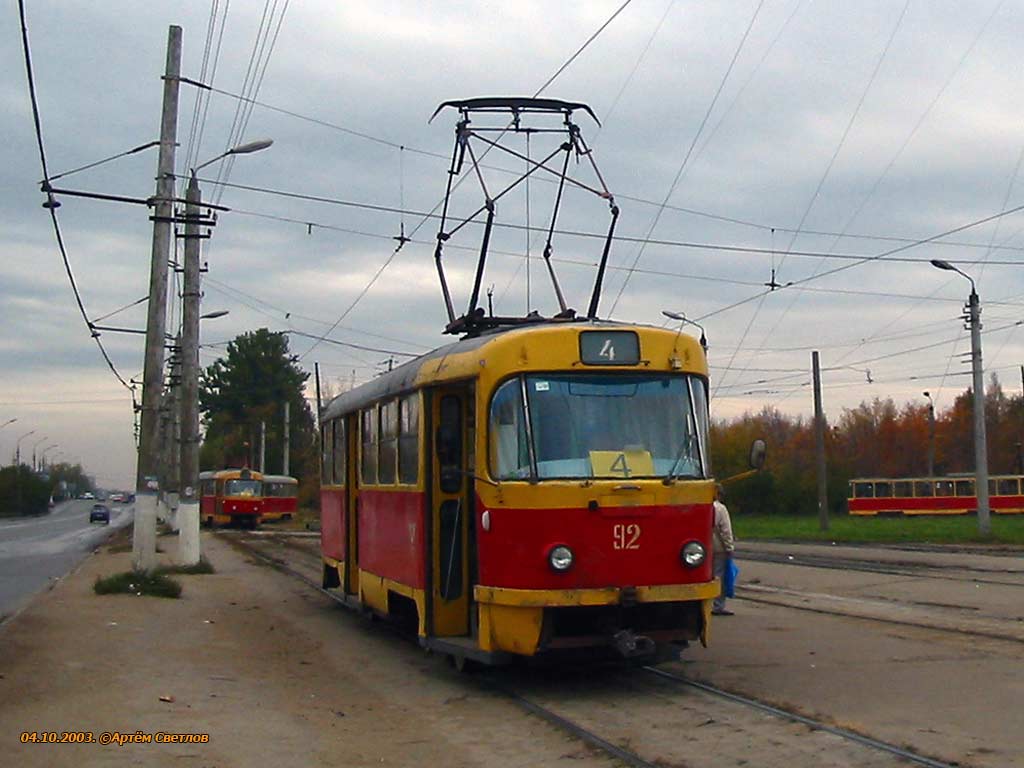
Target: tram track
614, 746
907, 569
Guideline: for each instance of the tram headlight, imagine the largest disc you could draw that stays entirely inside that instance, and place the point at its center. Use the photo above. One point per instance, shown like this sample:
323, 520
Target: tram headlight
560, 558
692, 554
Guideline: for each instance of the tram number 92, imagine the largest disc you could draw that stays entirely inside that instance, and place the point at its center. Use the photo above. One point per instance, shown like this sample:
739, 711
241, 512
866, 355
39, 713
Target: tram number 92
626, 536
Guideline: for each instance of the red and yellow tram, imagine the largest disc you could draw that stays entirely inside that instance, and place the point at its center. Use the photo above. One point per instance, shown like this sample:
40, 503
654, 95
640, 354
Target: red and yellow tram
280, 497
231, 497
954, 495
526, 490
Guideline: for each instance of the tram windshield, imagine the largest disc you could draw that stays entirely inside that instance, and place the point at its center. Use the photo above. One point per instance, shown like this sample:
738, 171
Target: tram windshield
242, 488
600, 426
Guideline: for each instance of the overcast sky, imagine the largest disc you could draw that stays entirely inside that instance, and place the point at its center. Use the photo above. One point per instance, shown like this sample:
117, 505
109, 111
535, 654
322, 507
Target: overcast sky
836, 129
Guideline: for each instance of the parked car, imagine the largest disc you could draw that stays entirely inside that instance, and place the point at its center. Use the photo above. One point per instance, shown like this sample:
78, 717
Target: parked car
88, 495
100, 514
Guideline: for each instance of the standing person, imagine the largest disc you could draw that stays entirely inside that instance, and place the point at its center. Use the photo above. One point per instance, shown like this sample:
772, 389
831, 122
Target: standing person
723, 547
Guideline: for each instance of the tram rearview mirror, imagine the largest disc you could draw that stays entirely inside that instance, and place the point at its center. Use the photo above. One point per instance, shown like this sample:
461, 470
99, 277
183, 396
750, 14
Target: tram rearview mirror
758, 453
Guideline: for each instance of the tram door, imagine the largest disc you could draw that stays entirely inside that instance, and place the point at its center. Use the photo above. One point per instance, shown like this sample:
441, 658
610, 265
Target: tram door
451, 509
351, 584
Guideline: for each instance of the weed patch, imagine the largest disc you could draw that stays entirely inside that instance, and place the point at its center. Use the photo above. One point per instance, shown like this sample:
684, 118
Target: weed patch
138, 583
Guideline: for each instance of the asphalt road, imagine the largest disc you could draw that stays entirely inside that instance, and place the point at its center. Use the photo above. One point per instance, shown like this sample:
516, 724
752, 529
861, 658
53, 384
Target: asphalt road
36, 550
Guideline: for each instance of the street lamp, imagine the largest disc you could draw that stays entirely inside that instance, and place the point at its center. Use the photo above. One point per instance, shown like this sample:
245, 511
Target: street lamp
973, 316
35, 445
241, 149
683, 319
187, 517
17, 448
931, 435
42, 454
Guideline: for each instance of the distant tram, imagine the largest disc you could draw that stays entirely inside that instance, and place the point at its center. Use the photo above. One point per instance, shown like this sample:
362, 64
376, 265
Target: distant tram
932, 495
528, 490
280, 497
231, 497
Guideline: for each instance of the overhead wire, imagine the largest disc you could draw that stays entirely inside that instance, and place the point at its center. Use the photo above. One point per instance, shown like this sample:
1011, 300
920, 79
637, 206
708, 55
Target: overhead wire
906, 142
619, 195
815, 195
52, 205
689, 151
387, 262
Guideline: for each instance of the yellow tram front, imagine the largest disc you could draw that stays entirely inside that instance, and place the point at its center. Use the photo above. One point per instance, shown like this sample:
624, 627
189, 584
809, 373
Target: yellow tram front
563, 500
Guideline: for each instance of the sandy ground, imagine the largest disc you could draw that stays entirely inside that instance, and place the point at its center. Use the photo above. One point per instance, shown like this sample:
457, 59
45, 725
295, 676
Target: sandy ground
276, 674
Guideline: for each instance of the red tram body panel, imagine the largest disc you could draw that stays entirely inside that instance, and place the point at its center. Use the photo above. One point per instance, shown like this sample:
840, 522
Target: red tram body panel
280, 497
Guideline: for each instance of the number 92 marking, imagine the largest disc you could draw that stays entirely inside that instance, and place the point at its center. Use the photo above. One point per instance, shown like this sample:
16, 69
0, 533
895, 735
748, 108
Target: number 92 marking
626, 536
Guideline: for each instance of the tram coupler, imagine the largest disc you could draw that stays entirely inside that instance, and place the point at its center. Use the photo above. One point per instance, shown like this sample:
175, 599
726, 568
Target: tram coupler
632, 645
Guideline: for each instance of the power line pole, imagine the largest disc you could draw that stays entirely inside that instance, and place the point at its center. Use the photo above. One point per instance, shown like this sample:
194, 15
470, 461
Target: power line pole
819, 444
263, 446
287, 437
980, 445
188, 506
146, 485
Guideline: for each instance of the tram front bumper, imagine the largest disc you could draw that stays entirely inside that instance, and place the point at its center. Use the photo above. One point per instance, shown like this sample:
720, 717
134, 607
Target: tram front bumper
525, 621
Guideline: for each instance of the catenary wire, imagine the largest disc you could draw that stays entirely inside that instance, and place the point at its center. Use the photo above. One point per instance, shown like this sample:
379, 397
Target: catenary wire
50, 200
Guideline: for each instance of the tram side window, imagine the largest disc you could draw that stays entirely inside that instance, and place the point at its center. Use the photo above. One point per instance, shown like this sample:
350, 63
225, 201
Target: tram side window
388, 442
923, 488
1009, 486
326, 430
943, 487
368, 455
902, 489
510, 452
409, 439
964, 488
883, 490
339, 458
863, 491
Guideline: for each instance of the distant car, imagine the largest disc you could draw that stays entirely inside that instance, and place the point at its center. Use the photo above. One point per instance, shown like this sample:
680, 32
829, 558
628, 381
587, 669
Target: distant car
117, 498
99, 514
88, 495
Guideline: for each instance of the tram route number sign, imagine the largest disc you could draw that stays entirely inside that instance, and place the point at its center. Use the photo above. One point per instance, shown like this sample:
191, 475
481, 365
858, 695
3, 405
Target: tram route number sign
609, 348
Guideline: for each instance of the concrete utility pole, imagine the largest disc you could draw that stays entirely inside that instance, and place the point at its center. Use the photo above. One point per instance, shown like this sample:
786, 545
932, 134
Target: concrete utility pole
931, 435
172, 459
973, 317
287, 437
146, 486
819, 444
263, 446
188, 506
980, 443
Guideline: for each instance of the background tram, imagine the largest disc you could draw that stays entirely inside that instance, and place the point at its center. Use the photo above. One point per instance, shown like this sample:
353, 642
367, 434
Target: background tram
528, 490
280, 497
932, 495
231, 497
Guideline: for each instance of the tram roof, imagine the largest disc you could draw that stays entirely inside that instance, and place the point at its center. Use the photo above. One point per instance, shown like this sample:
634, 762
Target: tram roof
230, 474
404, 378
287, 479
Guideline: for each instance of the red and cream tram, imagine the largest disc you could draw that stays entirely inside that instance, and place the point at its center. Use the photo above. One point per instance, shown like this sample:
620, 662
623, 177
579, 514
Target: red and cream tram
952, 495
280, 497
231, 497
526, 490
